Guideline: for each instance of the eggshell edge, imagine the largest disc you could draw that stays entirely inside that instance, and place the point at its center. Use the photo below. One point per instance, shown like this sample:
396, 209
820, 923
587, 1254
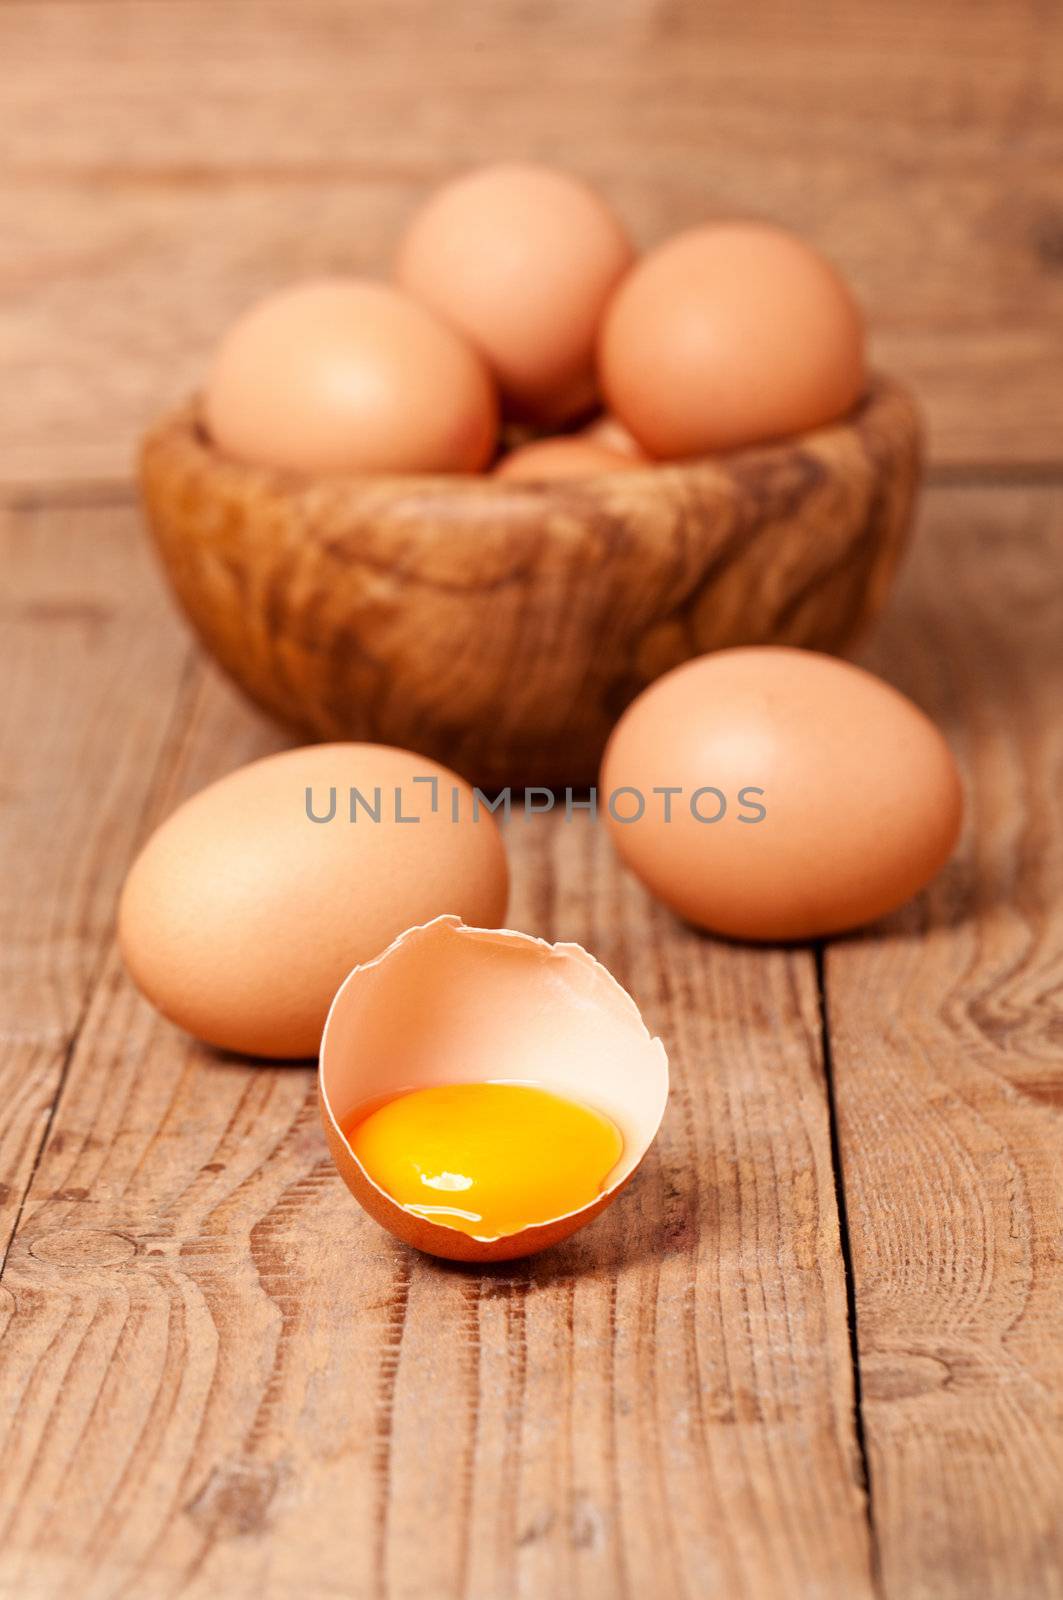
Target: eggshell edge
434, 1239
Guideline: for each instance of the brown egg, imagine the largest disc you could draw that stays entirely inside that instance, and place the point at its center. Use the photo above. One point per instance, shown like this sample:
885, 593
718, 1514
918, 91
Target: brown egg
522, 260
449, 1004
341, 375
808, 796
570, 457
609, 432
243, 913
729, 335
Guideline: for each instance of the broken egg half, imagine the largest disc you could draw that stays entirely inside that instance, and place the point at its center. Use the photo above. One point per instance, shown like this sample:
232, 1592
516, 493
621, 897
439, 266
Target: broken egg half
484, 1093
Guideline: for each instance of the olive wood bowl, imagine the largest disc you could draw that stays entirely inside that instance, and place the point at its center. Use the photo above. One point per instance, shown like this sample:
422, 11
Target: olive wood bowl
501, 626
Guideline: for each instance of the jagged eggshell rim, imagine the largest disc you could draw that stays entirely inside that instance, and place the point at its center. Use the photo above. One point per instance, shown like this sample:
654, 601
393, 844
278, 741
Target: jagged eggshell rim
448, 1003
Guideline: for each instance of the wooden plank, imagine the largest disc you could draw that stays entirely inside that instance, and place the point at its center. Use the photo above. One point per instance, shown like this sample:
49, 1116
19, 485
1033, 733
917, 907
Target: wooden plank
948, 1068
94, 664
219, 1377
165, 163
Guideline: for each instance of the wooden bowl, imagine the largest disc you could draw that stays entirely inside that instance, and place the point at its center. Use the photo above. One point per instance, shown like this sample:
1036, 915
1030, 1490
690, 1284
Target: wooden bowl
502, 627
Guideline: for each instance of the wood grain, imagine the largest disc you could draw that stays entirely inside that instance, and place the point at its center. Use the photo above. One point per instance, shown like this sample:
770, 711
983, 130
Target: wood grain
88, 700
501, 628
947, 1045
221, 1378
166, 163
218, 1377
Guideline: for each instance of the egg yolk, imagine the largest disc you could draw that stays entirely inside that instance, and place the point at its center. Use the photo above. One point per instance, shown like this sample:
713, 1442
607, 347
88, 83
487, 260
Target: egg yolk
487, 1158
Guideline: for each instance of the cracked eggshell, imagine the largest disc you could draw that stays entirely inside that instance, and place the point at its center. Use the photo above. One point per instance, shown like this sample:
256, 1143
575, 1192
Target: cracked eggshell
447, 1003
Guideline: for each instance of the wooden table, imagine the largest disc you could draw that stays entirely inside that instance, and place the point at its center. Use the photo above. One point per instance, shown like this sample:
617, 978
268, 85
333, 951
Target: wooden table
817, 1351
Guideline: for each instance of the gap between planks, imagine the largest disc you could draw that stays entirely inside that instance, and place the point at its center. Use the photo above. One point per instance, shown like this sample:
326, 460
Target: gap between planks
46, 494
846, 1246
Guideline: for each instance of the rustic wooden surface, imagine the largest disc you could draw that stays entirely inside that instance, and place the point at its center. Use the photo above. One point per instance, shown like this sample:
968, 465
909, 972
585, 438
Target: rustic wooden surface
817, 1350
946, 1033
179, 157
